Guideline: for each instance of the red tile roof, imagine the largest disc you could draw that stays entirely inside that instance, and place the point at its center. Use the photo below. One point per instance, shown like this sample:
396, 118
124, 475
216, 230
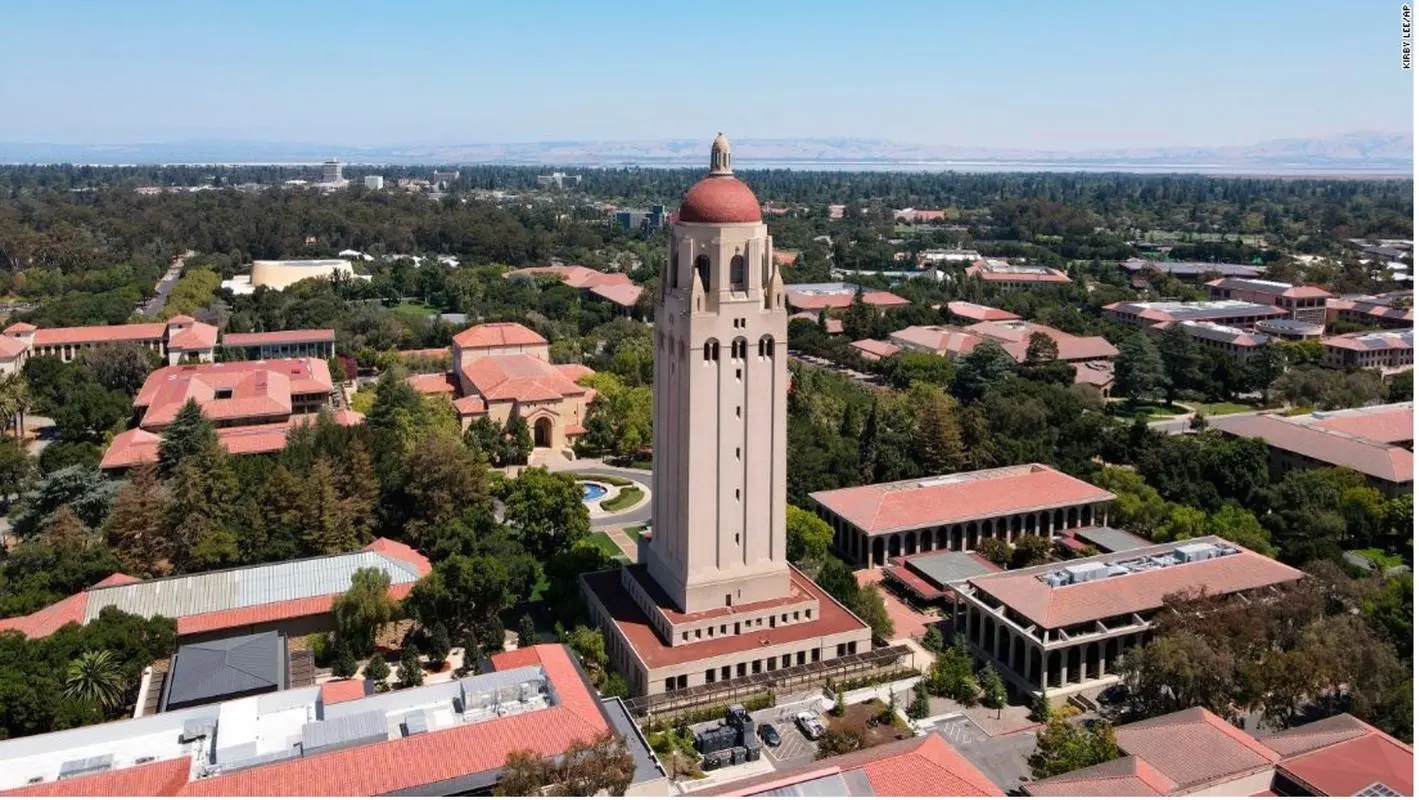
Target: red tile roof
196, 336
1072, 604
622, 294
341, 691
1195, 747
257, 388
924, 766
813, 302
1371, 341
433, 383
278, 337
875, 349
522, 378
20, 327
11, 347
409, 763
1340, 756
1014, 336
960, 497
636, 627
512, 659
718, 200
1129, 776
1388, 424
158, 779
470, 406
833, 325
997, 271
98, 334
577, 277
498, 334
1379, 460
979, 313
137, 446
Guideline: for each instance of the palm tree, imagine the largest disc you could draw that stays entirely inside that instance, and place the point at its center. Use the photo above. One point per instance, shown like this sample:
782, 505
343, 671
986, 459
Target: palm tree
14, 402
96, 676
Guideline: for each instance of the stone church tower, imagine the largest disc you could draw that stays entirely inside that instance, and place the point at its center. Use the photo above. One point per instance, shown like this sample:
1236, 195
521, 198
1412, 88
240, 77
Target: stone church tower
721, 378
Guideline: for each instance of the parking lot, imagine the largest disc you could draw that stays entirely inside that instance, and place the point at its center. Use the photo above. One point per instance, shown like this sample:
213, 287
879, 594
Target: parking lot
794, 748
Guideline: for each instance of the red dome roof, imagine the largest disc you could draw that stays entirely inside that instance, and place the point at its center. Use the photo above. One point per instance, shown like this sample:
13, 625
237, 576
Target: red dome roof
719, 199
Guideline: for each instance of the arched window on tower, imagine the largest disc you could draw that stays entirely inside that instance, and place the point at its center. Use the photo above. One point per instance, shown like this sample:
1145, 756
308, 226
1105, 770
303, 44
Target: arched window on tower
711, 350
766, 347
737, 277
702, 266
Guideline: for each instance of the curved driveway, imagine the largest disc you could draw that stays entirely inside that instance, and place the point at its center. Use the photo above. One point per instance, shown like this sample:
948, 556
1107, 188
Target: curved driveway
624, 519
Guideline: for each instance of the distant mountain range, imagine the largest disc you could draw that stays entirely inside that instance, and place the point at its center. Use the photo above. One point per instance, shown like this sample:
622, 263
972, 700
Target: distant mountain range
1359, 152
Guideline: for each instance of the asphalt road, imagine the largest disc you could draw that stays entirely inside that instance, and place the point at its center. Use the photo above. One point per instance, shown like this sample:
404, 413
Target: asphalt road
625, 519
154, 307
1003, 759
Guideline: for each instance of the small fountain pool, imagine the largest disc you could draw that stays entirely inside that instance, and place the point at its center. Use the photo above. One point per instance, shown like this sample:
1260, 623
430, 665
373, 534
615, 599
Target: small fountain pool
591, 492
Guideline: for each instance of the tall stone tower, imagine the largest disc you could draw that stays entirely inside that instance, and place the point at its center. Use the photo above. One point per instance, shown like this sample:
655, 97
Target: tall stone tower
721, 378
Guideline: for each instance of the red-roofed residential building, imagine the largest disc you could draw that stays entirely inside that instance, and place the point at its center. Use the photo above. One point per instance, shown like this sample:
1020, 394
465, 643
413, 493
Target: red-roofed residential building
874, 523
1061, 628
925, 766
252, 404
1197, 753
503, 369
1335, 439
180, 339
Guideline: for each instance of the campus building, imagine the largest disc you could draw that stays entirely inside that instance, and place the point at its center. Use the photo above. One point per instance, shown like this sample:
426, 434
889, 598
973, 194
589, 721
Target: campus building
1061, 628
281, 344
1141, 269
1389, 310
442, 739
1011, 334
1232, 342
289, 597
713, 597
1195, 753
815, 297
616, 288
180, 339
969, 313
999, 272
252, 404
1232, 313
874, 523
1303, 303
1290, 329
1386, 351
1376, 441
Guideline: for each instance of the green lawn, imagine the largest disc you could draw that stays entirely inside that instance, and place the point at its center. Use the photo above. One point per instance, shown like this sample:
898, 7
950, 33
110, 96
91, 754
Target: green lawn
1213, 409
635, 532
607, 479
414, 310
628, 497
604, 544
1128, 408
1382, 559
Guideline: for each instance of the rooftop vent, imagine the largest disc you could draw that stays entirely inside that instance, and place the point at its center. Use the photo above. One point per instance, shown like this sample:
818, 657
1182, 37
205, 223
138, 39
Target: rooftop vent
85, 766
1088, 571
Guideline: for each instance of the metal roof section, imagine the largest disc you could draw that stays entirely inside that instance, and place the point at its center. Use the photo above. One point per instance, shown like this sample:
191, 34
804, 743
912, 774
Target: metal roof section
944, 568
208, 671
1110, 540
224, 590
648, 767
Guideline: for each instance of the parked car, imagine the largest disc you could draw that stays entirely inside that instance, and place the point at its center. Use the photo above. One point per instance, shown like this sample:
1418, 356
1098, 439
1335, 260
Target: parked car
811, 725
770, 735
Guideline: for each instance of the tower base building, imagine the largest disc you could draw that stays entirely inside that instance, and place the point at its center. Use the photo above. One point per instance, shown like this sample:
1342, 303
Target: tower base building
713, 597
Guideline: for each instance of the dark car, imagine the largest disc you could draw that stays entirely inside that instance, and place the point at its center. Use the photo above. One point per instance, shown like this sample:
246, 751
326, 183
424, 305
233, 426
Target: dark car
769, 734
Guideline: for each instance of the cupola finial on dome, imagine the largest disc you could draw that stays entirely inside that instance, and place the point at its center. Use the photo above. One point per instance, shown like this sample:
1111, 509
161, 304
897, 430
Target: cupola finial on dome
720, 161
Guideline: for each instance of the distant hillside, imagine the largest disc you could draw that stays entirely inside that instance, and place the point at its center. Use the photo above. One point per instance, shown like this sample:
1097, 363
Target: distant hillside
1351, 152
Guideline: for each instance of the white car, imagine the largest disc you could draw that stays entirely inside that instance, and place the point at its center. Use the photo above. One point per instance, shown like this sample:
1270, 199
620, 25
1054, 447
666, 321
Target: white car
811, 724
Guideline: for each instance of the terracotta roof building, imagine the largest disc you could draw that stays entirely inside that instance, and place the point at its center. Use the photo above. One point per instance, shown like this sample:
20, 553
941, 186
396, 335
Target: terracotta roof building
874, 350
1395, 310
1235, 313
1336, 439
1012, 335
1304, 303
1061, 628
293, 597
614, 287
1196, 753
251, 403
438, 739
181, 338
874, 523
501, 369
969, 313
281, 344
832, 324
837, 296
924, 766
999, 272
1386, 351
1231, 342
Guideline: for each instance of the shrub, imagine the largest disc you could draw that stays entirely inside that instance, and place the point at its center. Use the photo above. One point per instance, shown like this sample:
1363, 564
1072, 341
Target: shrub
320, 650
436, 646
344, 664
410, 673
377, 670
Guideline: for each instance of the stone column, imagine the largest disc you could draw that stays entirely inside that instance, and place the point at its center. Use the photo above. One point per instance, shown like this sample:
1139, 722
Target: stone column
1010, 650
1099, 662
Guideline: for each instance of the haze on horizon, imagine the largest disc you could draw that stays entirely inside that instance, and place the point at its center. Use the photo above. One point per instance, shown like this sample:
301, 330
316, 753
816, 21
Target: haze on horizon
1068, 76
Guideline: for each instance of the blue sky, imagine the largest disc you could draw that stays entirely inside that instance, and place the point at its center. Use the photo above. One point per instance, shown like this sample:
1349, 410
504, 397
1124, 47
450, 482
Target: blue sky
1056, 74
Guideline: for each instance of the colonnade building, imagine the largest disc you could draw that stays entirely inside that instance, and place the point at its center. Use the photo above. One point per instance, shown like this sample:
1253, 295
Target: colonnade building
874, 523
1060, 628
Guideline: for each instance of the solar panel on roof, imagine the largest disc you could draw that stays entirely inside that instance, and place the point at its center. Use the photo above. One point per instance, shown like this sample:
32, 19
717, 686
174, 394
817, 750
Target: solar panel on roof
1377, 790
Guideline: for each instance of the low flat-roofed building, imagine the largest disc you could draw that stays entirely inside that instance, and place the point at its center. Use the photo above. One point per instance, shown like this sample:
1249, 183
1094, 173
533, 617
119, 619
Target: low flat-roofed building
208, 672
180, 339
1326, 440
1386, 351
1232, 342
874, 349
927, 576
446, 738
837, 296
281, 344
1304, 303
1391, 310
1191, 271
1234, 313
969, 313
1103, 539
279, 274
1290, 329
1061, 628
999, 272
292, 597
1197, 753
946, 256
923, 766
874, 523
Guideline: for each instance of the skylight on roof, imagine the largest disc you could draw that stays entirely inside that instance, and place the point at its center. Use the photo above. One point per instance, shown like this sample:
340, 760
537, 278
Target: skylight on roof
1377, 790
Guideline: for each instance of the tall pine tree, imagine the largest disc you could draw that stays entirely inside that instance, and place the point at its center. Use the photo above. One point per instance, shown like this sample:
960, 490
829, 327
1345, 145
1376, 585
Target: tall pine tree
135, 524
939, 447
187, 435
